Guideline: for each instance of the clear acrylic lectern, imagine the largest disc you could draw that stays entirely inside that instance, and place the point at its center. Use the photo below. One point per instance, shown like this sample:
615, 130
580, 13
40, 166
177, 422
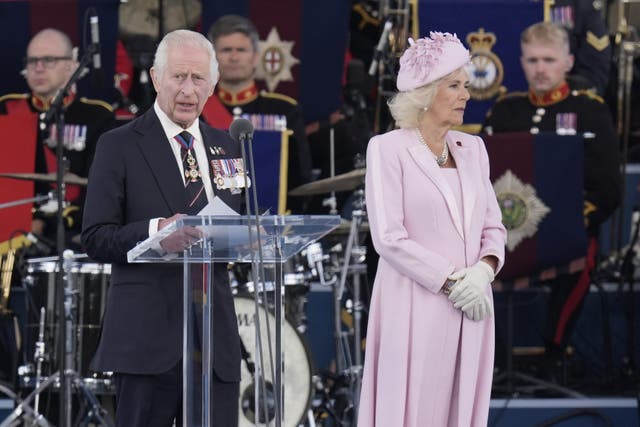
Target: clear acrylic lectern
224, 239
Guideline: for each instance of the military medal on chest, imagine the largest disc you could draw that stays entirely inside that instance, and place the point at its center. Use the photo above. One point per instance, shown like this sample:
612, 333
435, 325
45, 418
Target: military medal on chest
229, 174
74, 136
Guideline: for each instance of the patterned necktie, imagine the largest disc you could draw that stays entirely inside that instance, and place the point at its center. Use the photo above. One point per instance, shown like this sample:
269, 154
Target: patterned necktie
196, 196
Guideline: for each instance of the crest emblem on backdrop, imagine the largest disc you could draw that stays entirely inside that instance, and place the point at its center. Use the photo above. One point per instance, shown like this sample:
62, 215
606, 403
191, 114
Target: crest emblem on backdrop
276, 60
486, 71
521, 208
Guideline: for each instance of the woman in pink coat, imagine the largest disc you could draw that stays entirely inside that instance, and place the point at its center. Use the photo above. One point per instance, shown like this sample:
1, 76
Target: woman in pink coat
437, 226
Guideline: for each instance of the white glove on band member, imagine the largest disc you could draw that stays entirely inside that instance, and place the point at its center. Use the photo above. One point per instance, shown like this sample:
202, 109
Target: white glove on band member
469, 293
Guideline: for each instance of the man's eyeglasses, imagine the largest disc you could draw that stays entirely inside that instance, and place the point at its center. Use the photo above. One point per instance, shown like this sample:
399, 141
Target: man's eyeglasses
46, 61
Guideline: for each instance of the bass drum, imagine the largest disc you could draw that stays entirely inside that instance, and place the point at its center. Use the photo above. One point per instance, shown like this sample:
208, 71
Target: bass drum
296, 373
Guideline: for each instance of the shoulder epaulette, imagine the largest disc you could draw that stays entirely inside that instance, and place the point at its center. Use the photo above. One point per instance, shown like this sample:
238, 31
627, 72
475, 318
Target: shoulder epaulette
97, 102
511, 95
589, 94
366, 17
279, 96
13, 96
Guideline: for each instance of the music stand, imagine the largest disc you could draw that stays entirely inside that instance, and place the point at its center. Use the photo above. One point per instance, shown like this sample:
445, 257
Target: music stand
227, 239
511, 375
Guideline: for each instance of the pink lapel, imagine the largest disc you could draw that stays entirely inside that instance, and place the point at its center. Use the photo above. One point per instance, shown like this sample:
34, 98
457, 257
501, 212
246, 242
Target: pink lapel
423, 159
461, 151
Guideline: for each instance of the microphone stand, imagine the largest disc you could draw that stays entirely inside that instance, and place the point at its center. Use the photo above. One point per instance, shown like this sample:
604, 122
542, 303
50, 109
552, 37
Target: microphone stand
331, 200
55, 114
258, 272
36, 199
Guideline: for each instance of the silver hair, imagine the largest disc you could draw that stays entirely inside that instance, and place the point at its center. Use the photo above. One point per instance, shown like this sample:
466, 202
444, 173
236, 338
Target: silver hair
407, 107
179, 38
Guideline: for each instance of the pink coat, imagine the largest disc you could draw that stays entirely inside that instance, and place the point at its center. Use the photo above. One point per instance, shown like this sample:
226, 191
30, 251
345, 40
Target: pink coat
426, 364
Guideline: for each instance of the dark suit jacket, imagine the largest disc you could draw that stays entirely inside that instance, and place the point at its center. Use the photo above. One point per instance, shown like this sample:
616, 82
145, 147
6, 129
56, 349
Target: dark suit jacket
135, 177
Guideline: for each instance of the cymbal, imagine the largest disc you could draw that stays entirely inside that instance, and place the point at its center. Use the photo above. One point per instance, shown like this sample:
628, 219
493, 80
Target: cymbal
69, 178
344, 182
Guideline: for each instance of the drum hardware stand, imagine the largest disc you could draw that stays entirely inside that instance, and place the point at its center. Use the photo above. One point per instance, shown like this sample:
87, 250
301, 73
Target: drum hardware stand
55, 114
331, 200
510, 374
23, 409
353, 258
627, 270
39, 356
95, 412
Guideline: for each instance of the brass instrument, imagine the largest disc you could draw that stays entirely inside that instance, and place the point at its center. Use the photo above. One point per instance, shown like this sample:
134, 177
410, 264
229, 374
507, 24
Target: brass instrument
8, 251
626, 48
402, 14
548, 4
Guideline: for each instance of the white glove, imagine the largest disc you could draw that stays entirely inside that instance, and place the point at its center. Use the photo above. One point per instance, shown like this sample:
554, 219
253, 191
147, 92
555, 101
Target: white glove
469, 292
479, 310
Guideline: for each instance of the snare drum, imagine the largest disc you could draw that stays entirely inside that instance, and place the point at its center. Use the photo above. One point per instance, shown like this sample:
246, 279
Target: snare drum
88, 283
296, 277
297, 368
296, 282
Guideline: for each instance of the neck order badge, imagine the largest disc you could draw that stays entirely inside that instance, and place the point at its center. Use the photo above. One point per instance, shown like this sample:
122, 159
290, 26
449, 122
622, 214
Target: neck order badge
196, 196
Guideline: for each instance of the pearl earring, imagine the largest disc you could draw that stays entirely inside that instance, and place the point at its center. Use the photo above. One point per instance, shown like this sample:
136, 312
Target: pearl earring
425, 108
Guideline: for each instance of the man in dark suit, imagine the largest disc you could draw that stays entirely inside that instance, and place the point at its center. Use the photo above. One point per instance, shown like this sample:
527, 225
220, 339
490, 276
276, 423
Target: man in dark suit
138, 184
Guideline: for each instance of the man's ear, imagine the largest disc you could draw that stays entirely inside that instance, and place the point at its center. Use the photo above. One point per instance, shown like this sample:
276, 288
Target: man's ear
256, 59
570, 61
74, 60
154, 78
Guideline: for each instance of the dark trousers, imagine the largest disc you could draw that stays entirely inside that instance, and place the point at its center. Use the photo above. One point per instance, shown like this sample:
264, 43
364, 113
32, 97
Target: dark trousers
156, 400
566, 300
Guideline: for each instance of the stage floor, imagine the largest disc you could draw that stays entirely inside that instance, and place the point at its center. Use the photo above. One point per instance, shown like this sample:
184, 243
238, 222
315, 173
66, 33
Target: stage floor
611, 411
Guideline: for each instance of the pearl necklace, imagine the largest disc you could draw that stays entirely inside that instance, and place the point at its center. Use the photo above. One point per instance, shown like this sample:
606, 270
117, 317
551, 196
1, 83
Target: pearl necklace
442, 158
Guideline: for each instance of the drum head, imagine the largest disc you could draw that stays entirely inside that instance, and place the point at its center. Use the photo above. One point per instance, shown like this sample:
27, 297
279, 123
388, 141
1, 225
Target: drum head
296, 375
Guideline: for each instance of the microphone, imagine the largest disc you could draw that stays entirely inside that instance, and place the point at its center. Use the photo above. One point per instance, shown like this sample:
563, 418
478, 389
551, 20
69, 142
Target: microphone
95, 41
241, 129
315, 257
41, 244
382, 43
97, 76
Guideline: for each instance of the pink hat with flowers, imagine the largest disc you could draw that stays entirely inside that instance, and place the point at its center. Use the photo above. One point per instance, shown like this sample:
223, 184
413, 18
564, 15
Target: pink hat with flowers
429, 58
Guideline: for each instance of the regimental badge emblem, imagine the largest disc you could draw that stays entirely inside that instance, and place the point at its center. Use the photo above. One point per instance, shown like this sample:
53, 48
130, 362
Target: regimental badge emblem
485, 70
276, 60
522, 210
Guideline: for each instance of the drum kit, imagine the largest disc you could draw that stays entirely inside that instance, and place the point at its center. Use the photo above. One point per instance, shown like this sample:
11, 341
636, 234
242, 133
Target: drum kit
334, 262
86, 285
82, 285
344, 270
